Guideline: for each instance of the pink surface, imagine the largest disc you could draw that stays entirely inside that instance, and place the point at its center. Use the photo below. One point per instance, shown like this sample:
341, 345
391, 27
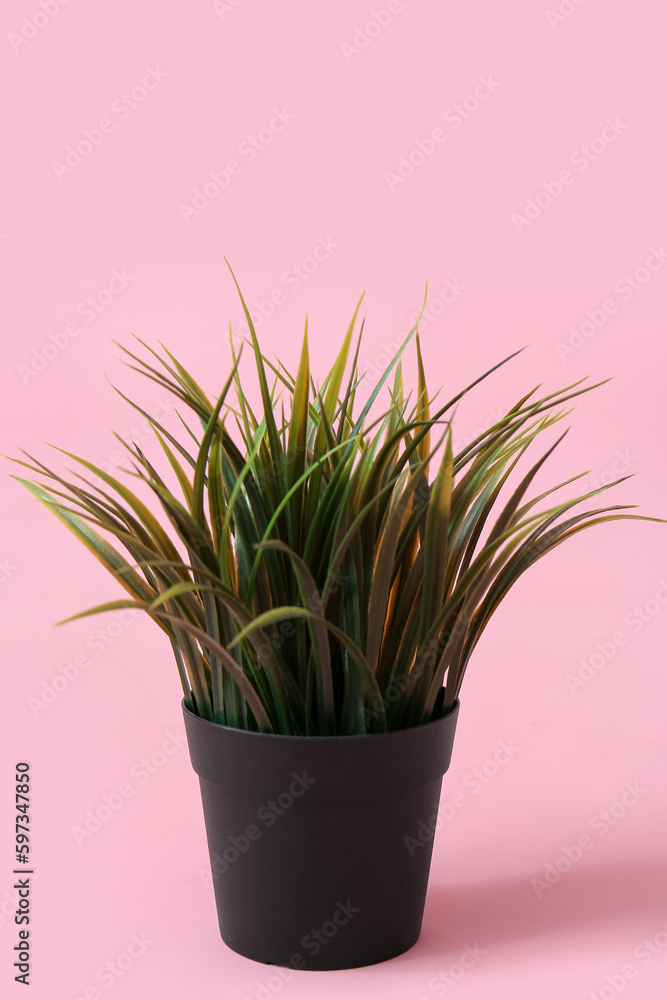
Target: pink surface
513, 156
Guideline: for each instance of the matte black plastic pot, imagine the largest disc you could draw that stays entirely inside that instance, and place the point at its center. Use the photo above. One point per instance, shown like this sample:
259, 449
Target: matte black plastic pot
320, 846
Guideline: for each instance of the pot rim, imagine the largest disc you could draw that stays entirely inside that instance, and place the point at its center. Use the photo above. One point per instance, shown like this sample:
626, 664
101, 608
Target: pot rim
343, 766
323, 740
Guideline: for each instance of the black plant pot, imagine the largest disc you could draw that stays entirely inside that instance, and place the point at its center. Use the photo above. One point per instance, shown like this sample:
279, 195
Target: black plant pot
320, 847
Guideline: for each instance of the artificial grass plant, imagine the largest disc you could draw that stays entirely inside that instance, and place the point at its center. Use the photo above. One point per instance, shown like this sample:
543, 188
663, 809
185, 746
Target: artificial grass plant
319, 576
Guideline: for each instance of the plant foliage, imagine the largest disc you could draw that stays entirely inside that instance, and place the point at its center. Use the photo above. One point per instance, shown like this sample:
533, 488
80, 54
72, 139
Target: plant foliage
316, 575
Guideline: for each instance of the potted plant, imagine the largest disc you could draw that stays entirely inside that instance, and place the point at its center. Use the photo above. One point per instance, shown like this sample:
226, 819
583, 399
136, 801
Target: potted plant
323, 583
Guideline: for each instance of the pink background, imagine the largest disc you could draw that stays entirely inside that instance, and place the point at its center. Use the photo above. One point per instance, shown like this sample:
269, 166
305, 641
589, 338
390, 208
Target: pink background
352, 104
